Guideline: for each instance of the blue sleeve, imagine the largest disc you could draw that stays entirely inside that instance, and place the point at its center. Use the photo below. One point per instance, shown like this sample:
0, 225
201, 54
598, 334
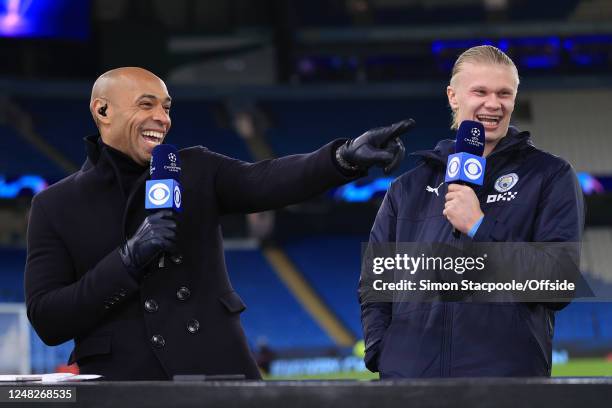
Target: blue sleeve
474, 228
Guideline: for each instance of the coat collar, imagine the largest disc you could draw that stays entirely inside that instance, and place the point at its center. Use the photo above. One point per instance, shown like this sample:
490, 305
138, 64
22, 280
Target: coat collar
514, 140
99, 167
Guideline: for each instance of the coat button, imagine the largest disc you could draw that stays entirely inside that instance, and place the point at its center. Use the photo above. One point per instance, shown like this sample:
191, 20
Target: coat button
183, 293
158, 340
151, 306
193, 326
177, 259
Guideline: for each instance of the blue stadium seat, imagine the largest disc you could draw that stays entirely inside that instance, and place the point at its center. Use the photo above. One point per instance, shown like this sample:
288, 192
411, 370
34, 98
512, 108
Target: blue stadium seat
331, 264
63, 123
11, 287
17, 157
272, 313
300, 126
193, 123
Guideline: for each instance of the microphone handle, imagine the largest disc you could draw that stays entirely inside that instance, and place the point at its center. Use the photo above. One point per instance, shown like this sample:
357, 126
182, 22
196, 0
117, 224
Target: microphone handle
456, 232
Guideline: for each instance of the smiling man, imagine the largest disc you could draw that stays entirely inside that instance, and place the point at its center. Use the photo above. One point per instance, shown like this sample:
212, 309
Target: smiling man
139, 105
527, 196
90, 271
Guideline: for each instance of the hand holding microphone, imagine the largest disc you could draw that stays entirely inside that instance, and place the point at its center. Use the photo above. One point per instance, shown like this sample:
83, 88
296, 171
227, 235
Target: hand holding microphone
462, 208
156, 234
464, 169
163, 197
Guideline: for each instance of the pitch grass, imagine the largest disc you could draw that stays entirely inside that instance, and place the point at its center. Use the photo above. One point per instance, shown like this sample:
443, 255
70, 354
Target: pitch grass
578, 367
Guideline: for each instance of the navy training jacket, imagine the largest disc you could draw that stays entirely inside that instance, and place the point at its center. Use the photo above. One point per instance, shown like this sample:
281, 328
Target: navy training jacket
444, 339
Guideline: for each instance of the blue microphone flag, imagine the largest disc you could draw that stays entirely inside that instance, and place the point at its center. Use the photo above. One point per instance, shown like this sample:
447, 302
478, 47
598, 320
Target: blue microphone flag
165, 163
467, 164
163, 190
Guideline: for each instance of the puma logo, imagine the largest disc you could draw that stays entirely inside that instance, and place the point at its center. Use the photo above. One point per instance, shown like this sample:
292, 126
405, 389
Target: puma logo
434, 190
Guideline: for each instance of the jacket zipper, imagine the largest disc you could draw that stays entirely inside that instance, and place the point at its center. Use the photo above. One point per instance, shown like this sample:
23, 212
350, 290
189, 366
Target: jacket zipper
447, 334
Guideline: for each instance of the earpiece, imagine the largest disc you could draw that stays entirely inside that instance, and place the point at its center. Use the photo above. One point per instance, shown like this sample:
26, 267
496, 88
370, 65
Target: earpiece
102, 110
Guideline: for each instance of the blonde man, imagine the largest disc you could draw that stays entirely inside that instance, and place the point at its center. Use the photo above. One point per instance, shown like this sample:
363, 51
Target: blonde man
542, 203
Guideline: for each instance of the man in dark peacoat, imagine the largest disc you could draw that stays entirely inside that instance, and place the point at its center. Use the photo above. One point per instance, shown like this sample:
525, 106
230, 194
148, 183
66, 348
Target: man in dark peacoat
86, 276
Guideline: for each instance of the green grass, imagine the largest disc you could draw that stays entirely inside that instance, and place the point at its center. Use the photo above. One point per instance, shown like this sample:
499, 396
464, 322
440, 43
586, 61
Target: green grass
583, 367
578, 367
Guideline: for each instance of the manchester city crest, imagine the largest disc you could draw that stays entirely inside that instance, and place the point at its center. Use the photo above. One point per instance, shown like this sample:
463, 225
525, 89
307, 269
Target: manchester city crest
505, 183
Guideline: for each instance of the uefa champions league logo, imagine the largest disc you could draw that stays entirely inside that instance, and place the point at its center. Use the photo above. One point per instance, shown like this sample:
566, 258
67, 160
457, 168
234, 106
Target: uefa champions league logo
475, 136
172, 167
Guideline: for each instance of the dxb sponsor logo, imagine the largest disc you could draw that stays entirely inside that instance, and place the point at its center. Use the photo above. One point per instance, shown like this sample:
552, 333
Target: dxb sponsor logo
507, 196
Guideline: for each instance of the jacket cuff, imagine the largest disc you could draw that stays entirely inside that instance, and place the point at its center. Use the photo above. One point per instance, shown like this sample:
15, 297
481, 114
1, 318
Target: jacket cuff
372, 353
475, 227
117, 283
491, 230
348, 173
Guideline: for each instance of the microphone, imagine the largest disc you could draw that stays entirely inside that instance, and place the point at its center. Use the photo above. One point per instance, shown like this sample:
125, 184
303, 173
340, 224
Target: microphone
467, 166
163, 190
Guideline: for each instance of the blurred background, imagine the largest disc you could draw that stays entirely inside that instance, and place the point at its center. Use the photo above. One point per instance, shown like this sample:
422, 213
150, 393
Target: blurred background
260, 79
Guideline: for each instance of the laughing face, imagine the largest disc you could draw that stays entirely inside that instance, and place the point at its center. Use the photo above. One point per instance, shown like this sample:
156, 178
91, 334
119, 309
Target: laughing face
138, 114
484, 93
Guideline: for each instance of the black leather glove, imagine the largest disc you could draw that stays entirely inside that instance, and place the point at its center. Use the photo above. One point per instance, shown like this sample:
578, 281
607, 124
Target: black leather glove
381, 147
156, 234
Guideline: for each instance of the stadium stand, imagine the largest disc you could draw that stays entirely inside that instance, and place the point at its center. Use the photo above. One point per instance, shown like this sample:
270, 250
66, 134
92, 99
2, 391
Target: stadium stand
63, 123
11, 271
331, 265
300, 126
596, 254
205, 123
193, 123
17, 157
582, 139
423, 12
273, 315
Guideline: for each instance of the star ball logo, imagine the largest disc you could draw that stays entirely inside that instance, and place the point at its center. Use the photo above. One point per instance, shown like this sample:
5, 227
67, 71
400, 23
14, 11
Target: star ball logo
172, 167
475, 132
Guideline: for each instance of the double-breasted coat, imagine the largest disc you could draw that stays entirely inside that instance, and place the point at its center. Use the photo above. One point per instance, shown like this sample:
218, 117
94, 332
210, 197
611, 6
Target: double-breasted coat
183, 318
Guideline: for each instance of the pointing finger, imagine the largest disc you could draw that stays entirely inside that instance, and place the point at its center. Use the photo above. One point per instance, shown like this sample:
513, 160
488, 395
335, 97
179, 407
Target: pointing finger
396, 130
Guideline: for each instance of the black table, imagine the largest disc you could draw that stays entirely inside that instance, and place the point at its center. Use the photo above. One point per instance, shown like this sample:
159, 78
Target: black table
489, 392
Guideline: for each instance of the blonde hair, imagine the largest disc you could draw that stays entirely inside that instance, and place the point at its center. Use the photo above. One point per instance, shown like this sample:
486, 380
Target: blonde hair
483, 54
